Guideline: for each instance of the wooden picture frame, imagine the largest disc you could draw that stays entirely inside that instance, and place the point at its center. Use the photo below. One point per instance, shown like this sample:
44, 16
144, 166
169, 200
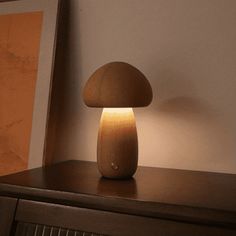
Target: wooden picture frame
23, 19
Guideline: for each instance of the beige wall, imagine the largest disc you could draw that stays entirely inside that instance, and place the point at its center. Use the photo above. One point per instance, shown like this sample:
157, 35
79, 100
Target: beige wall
187, 50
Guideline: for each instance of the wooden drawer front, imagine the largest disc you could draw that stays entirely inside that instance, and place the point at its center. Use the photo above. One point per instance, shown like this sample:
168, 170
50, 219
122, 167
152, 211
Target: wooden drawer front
28, 229
108, 223
7, 211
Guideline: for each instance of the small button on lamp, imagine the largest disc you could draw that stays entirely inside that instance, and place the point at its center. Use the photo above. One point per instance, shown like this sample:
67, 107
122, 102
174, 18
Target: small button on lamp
117, 87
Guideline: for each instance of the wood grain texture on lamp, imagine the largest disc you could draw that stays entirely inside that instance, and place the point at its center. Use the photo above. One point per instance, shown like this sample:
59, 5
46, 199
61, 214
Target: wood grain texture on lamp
117, 84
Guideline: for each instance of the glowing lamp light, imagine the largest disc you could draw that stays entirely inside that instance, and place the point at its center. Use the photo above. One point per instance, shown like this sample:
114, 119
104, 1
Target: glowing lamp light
117, 87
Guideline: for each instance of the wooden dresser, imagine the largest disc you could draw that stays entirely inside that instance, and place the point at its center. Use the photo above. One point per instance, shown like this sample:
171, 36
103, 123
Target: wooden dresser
70, 198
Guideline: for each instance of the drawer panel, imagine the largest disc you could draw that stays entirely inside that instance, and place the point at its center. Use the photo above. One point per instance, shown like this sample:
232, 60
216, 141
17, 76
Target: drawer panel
7, 211
109, 223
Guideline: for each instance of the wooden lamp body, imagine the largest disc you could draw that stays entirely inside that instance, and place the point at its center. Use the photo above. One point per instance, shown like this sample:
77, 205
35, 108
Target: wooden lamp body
116, 87
117, 147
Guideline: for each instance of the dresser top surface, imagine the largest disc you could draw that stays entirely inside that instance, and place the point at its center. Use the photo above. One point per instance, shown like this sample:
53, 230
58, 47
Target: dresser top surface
157, 185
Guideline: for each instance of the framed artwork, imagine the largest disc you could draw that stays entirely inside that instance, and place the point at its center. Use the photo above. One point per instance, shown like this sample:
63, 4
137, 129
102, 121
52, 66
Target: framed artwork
28, 32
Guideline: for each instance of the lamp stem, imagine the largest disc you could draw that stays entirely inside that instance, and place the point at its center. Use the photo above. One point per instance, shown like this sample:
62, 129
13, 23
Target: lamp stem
117, 146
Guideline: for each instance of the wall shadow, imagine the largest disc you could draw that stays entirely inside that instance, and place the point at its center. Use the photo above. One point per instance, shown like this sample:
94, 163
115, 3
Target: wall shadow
183, 129
175, 94
184, 106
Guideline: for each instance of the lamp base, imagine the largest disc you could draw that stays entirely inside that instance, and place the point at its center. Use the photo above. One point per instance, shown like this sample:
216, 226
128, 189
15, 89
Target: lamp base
117, 147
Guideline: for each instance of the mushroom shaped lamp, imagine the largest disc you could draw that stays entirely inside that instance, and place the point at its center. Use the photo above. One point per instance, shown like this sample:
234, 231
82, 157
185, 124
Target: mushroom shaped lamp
117, 87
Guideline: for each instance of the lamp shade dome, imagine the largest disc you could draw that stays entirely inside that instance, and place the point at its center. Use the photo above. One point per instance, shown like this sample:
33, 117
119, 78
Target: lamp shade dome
117, 84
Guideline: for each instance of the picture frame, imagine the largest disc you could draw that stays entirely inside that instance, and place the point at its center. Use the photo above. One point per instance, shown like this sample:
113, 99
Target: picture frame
34, 14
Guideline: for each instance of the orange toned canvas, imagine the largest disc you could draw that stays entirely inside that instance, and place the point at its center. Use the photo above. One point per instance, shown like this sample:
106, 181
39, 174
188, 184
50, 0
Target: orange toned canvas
19, 53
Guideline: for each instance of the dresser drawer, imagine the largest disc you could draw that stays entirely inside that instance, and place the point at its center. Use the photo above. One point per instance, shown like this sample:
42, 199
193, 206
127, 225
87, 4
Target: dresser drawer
7, 211
107, 223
